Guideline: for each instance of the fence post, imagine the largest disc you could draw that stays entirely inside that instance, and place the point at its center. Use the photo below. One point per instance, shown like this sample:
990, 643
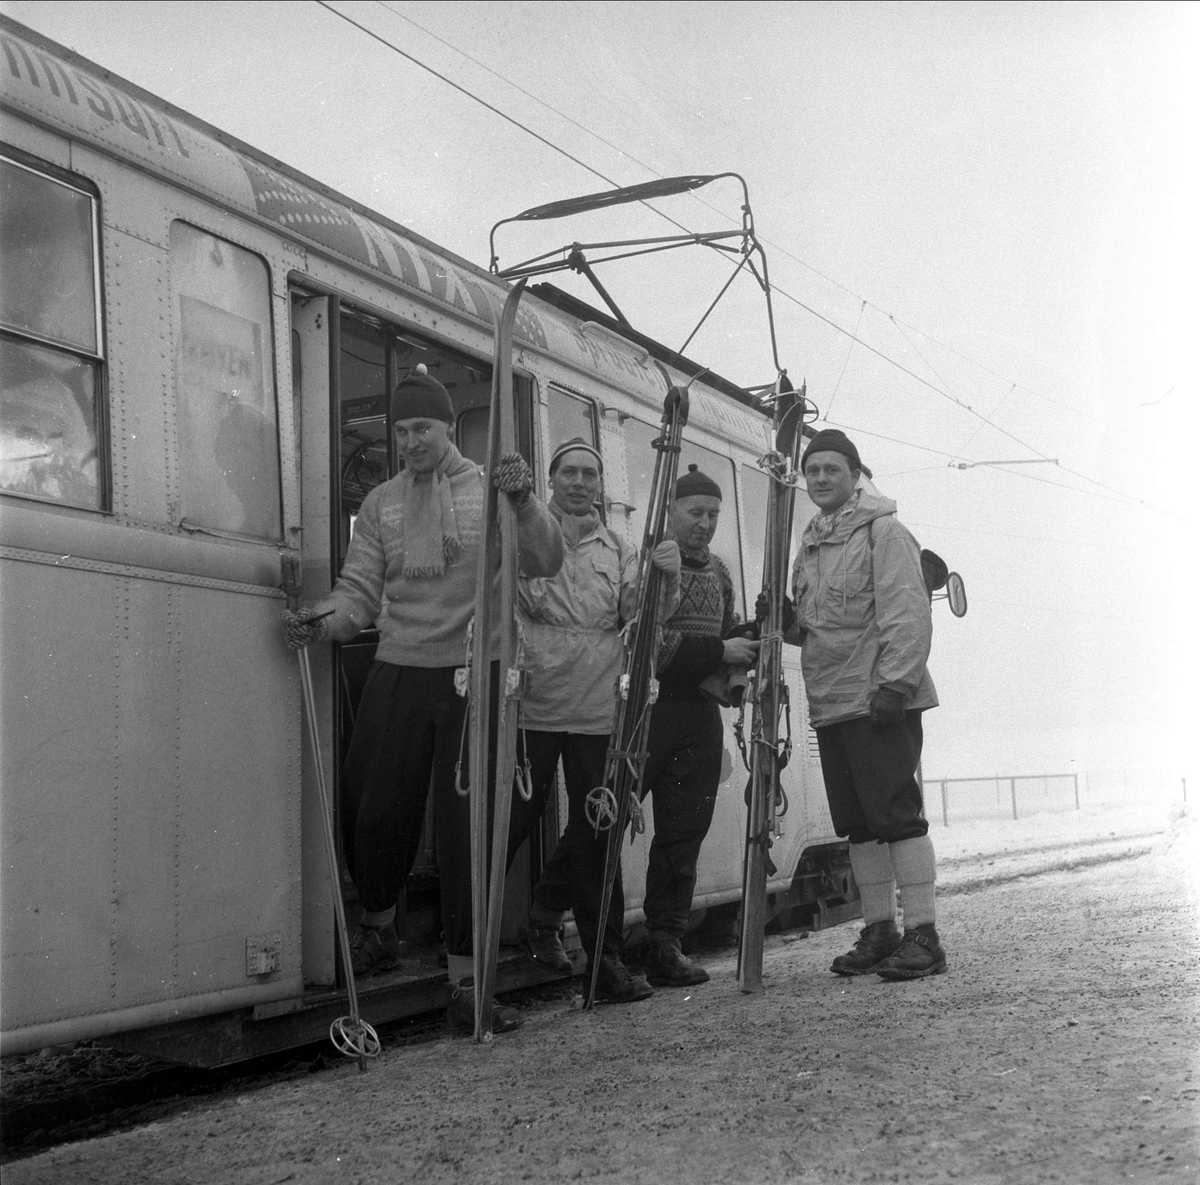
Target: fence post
1012, 785
945, 810
1076, 777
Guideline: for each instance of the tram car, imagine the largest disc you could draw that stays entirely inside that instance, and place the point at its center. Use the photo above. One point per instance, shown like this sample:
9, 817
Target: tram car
198, 343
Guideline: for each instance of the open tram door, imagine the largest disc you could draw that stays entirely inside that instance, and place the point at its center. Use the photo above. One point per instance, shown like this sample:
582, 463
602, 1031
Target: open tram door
345, 362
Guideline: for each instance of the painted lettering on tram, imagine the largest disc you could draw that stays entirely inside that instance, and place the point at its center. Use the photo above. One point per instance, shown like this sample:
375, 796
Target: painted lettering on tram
75, 88
603, 356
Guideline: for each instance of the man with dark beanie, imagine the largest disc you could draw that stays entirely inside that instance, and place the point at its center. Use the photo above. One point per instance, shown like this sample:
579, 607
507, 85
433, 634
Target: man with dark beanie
683, 770
410, 569
572, 624
862, 615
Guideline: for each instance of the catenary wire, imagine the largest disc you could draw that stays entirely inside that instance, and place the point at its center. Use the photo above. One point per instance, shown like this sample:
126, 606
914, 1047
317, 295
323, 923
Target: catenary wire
846, 361
900, 324
1119, 495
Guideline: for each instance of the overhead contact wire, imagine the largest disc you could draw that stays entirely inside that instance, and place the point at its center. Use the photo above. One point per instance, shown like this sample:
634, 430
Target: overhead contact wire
687, 230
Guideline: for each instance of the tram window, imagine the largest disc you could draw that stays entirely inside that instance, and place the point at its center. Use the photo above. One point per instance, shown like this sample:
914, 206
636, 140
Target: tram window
473, 434
640, 459
570, 416
755, 488
226, 414
50, 379
364, 410
472, 425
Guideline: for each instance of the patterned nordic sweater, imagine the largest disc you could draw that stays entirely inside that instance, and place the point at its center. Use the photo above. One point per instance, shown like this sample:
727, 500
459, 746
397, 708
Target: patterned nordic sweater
423, 620
692, 646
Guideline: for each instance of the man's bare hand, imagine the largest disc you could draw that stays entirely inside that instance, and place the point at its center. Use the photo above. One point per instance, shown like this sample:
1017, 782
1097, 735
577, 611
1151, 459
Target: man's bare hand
740, 652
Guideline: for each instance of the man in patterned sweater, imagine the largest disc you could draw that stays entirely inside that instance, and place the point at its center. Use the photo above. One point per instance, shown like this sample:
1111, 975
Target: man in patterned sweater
684, 766
410, 569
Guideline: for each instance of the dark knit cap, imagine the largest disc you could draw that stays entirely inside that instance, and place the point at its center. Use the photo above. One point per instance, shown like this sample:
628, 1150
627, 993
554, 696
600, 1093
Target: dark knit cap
568, 446
695, 482
421, 396
834, 440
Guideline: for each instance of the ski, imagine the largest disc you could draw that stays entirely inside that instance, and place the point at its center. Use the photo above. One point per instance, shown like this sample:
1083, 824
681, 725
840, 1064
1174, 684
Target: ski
494, 752
609, 807
770, 732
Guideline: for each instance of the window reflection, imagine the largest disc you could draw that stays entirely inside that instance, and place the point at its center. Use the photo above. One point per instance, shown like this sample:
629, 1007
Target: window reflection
228, 440
47, 432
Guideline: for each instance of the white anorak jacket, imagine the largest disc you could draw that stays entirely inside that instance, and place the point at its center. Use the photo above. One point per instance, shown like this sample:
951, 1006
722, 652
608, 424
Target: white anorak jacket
860, 598
571, 622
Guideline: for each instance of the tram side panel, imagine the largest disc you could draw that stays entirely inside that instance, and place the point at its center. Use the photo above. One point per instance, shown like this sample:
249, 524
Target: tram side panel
150, 714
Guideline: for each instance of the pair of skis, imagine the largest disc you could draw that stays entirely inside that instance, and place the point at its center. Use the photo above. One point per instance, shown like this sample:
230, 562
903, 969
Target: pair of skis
770, 740
610, 806
494, 751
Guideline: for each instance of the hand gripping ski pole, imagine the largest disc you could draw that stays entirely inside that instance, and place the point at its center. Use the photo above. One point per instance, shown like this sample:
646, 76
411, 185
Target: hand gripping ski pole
351, 1035
769, 743
609, 806
494, 754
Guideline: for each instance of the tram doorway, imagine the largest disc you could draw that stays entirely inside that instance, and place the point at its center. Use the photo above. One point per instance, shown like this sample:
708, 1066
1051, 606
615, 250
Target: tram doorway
366, 357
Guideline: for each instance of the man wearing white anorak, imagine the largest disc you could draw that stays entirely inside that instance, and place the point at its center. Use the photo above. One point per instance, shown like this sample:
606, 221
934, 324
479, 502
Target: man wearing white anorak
574, 655
862, 615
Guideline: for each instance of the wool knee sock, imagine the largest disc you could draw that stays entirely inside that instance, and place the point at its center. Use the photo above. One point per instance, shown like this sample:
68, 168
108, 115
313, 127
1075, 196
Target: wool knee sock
916, 874
871, 863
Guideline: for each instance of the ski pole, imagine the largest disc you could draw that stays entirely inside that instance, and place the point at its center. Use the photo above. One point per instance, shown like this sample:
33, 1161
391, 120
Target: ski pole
351, 1035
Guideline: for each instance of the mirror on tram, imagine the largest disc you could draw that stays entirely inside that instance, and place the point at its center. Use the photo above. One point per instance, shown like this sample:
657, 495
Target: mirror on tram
956, 594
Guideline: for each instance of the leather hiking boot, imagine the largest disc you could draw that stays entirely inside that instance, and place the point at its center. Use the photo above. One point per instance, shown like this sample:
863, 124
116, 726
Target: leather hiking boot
920, 954
544, 946
875, 943
668, 966
615, 985
461, 1011
374, 949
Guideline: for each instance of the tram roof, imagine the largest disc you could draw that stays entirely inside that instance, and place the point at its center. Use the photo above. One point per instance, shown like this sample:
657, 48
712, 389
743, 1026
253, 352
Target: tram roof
548, 293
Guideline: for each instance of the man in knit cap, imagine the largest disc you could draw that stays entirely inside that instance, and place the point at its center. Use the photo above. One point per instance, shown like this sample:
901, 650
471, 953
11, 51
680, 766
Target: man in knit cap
572, 624
862, 614
686, 735
410, 569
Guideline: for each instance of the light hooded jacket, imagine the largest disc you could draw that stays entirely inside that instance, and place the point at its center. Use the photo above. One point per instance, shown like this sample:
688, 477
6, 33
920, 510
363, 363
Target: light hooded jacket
572, 624
423, 620
860, 598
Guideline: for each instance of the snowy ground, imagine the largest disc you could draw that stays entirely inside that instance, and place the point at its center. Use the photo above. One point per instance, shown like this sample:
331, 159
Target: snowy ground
1060, 1047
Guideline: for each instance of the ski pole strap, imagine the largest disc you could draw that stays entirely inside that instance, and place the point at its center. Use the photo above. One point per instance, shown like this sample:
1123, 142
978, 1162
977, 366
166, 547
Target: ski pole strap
739, 732
461, 790
524, 770
637, 817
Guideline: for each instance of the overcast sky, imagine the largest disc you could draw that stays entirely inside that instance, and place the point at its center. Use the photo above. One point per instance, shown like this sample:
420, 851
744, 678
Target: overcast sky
997, 200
